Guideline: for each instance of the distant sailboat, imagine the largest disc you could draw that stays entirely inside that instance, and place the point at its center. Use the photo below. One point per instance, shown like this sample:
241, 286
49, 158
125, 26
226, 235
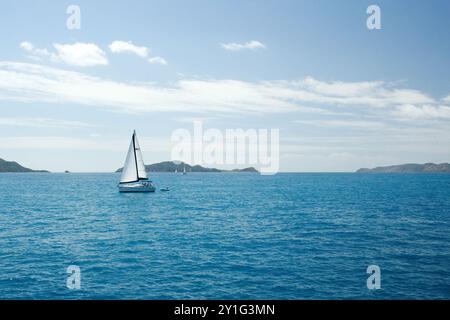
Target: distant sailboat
134, 177
184, 170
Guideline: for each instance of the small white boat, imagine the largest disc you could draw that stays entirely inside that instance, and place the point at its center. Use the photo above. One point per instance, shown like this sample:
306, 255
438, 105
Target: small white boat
184, 170
165, 189
134, 177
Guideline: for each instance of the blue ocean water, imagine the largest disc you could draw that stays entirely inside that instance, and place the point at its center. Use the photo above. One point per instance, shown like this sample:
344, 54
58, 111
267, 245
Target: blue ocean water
226, 236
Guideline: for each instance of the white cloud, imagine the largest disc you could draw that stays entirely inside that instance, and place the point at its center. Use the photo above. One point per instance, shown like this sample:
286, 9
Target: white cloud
37, 53
28, 46
119, 46
128, 47
157, 60
81, 54
251, 45
77, 54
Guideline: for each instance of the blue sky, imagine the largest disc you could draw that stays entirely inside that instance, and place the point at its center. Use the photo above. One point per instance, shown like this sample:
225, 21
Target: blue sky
342, 96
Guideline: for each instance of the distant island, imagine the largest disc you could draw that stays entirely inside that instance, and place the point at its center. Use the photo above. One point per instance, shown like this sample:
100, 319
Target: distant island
410, 168
12, 166
171, 166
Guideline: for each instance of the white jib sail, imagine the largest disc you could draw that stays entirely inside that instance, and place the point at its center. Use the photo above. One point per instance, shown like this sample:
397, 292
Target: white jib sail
142, 174
129, 172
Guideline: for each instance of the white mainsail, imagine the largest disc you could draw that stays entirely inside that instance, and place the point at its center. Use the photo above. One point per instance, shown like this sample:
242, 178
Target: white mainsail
142, 174
133, 169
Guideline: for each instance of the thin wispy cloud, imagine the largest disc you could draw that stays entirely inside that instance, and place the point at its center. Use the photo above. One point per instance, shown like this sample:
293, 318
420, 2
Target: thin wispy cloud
157, 60
38, 122
251, 45
193, 119
155, 143
367, 93
37, 83
32, 82
119, 46
413, 112
348, 123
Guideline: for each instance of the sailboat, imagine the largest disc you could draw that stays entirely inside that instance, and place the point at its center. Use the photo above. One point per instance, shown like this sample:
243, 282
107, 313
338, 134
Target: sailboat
184, 170
134, 177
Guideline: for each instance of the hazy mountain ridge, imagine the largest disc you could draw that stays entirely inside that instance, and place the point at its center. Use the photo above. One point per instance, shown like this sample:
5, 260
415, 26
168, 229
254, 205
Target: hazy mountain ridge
409, 168
170, 166
12, 166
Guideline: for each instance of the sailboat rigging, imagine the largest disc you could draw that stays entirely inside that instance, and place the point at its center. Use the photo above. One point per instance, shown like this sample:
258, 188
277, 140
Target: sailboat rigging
134, 176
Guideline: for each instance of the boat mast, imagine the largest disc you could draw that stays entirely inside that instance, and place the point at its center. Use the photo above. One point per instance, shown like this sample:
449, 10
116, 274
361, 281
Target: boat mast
135, 157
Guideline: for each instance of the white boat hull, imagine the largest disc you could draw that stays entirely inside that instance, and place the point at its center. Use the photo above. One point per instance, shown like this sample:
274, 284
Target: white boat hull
141, 186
